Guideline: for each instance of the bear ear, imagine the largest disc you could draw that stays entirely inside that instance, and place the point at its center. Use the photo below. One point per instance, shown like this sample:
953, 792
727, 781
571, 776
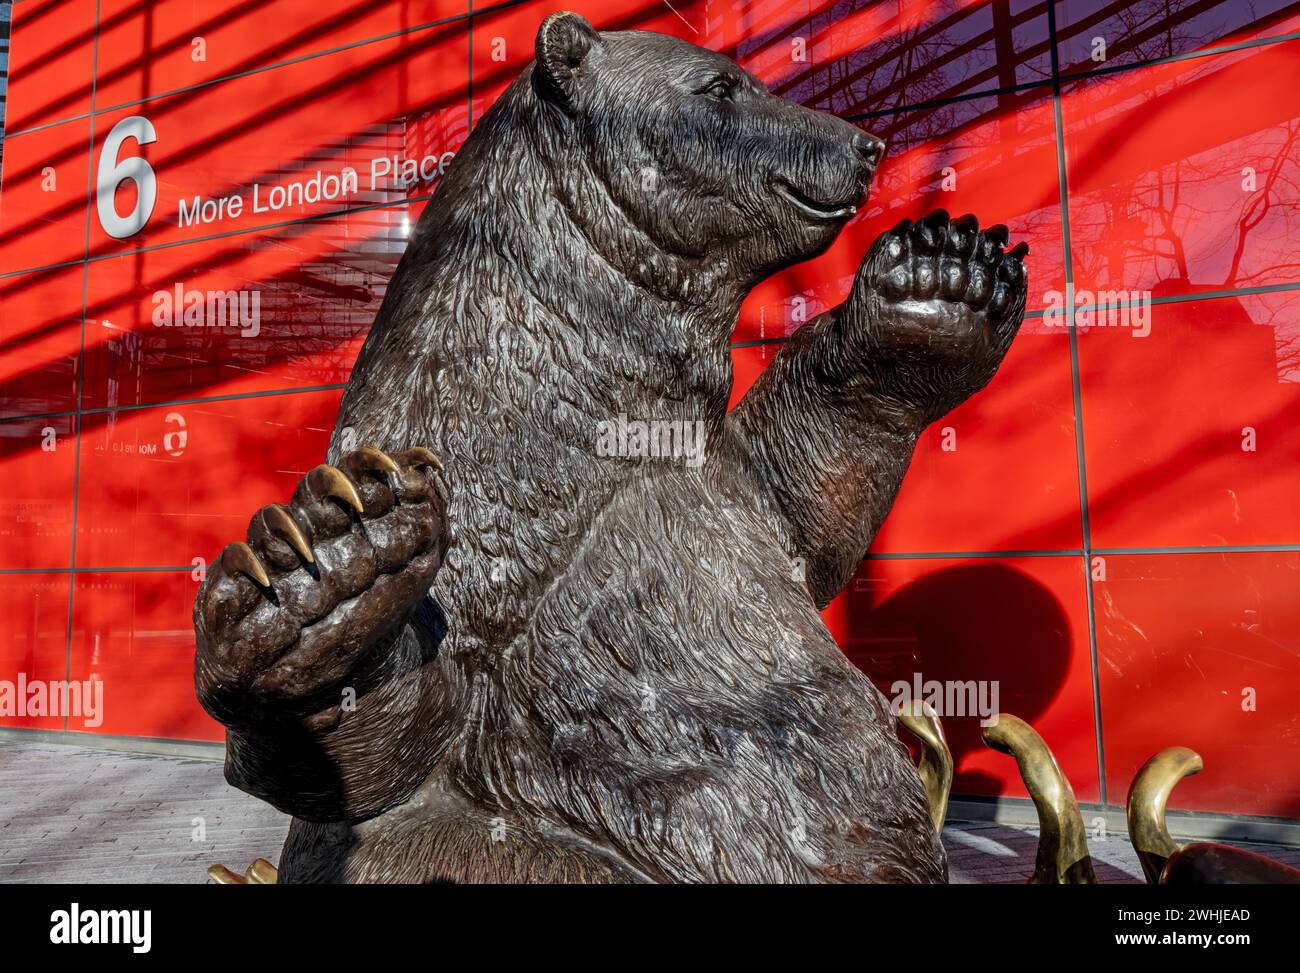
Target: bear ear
563, 42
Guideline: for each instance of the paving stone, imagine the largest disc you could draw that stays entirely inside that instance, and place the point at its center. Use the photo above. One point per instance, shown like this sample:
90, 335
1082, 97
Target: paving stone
72, 814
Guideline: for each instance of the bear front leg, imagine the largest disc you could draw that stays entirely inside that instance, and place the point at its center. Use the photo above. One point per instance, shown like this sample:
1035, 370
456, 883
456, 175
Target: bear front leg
831, 424
309, 645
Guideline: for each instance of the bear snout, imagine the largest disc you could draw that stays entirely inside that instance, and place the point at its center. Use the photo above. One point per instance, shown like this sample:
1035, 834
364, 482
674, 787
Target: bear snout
829, 183
869, 149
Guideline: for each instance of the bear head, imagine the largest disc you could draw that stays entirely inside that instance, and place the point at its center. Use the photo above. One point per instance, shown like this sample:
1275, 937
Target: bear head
694, 152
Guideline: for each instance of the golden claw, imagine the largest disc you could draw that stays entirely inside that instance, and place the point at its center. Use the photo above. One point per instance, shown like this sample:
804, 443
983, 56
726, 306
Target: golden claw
281, 522
330, 481
239, 557
371, 458
421, 456
1063, 857
935, 769
1147, 799
224, 876
261, 872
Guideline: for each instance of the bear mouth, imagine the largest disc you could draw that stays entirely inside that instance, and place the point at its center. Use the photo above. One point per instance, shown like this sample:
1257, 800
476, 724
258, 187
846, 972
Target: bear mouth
812, 207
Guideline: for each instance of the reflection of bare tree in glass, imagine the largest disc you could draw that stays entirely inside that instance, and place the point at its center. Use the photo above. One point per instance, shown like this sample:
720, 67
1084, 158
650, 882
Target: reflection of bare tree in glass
1282, 312
921, 54
884, 75
1220, 216
877, 56
1150, 29
1279, 184
1190, 222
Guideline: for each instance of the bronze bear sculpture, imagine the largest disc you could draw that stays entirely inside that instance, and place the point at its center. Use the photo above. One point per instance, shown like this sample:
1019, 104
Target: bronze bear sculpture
547, 663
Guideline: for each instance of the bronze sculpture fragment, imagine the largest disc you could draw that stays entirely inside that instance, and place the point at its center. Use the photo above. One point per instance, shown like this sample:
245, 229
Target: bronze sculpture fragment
1063, 856
935, 768
1164, 862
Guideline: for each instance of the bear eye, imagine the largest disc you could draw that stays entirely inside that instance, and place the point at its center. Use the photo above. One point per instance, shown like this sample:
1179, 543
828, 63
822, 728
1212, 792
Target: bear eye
722, 89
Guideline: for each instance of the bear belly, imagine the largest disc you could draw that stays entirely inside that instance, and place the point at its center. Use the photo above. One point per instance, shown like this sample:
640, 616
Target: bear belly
677, 702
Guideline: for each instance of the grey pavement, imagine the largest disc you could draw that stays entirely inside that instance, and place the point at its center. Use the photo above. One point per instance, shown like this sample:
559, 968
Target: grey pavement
72, 814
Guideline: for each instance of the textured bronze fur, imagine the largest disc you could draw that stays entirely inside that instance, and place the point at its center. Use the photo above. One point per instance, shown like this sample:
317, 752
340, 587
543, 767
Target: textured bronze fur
620, 673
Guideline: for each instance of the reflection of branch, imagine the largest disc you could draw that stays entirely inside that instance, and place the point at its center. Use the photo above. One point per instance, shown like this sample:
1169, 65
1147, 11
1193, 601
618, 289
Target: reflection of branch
1166, 202
1151, 29
1179, 255
888, 62
1258, 207
1275, 269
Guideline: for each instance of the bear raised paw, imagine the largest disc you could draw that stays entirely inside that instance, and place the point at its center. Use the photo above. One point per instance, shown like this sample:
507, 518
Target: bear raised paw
938, 302
560, 661
298, 633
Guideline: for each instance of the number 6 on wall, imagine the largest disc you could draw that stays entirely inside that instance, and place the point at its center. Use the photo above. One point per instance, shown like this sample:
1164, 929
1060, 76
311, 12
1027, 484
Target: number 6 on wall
112, 172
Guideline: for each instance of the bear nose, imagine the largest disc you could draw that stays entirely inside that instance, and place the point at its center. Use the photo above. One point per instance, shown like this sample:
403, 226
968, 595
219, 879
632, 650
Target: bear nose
869, 148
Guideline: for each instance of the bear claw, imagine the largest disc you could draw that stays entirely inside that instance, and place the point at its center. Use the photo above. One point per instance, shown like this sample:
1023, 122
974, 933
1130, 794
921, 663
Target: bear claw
367, 459
368, 533
329, 481
239, 558
278, 521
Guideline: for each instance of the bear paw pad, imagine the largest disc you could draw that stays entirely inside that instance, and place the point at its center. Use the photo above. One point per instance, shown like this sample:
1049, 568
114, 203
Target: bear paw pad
952, 260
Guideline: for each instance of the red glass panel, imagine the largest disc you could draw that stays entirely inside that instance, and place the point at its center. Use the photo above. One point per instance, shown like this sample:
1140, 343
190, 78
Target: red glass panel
1015, 627
146, 49
37, 460
40, 341
133, 634
853, 57
504, 38
1098, 33
1199, 651
164, 486
253, 312
304, 140
51, 63
1192, 431
1182, 176
43, 200
33, 646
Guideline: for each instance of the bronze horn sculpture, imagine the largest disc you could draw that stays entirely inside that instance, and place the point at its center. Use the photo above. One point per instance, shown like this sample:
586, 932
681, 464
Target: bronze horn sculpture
1147, 799
1200, 863
935, 769
1063, 857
